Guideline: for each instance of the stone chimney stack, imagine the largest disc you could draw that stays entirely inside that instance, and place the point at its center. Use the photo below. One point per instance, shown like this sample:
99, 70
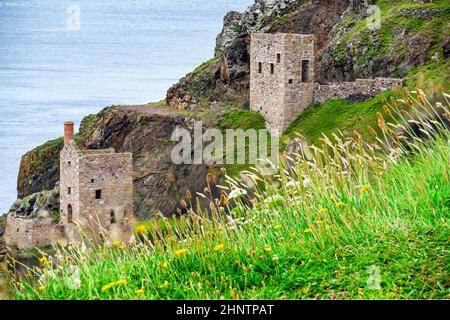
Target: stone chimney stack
68, 132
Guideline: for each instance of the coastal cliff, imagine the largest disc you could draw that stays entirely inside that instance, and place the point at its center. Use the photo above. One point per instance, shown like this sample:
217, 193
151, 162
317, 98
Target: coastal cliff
412, 40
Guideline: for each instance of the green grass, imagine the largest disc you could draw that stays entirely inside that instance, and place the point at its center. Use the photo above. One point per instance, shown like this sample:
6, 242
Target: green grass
337, 116
350, 223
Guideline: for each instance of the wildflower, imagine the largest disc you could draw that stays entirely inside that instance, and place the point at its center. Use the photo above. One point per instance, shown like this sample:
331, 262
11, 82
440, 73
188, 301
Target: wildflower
165, 284
180, 252
306, 182
116, 244
332, 197
323, 210
365, 188
41, 288
277, 227
219, 247
122, 282
43, 261
293, 184
108, 286
308, 230
141, 229
139, 291
267, 250
237, 193
276, 199
340, 204
164, 265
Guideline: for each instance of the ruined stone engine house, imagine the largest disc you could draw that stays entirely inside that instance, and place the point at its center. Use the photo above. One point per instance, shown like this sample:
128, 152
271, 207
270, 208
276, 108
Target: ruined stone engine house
96, 189
282, 83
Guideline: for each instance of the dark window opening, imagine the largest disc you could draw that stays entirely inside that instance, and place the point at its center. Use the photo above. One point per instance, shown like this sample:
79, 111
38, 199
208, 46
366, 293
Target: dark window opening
92, 180
69, 191
69, 214
272, 68
112, 216
17, 230
69, 163
259, 67
291, 81
98, 194
278, 57
305, 70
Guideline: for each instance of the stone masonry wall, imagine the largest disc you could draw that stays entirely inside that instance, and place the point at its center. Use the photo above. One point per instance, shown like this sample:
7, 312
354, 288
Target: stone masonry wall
30, 233
299, 93
266, 89
112, 174
361, 89
282, 95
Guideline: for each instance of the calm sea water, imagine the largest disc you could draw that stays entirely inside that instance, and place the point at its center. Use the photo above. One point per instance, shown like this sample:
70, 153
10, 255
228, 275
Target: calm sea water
123, 52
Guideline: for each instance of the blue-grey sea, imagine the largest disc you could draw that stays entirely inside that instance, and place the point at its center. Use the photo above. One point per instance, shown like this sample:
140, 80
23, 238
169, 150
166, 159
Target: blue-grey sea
62, 60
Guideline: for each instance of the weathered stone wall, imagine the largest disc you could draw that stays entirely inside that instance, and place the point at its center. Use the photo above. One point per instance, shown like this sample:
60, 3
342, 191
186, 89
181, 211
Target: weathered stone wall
282, 95
299, 93
361, 89
267, 89
112, 174
30, 233
85, 173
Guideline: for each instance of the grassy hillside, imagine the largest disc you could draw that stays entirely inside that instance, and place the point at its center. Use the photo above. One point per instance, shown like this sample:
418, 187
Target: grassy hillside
348, 223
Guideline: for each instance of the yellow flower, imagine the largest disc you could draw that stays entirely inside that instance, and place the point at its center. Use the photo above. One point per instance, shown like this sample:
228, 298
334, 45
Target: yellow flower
180, 252
108, 286
122, 281
332, 197
323, 210
141, 229
340, 204
166, 283
139, 292
116, 244
267, 250
219, 247
164, 265
277, 227
365, 188
308, 230
43, 261
112, 284
41, 288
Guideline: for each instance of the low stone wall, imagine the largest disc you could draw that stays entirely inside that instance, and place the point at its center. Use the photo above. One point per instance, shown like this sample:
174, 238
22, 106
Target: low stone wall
360, 90
30, 233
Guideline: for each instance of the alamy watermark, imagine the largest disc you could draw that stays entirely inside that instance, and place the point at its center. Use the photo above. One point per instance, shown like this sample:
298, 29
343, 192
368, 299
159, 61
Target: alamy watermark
237, 146
73, 21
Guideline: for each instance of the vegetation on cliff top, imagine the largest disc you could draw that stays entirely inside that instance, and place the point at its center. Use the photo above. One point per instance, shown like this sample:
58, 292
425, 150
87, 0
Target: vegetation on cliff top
346, 223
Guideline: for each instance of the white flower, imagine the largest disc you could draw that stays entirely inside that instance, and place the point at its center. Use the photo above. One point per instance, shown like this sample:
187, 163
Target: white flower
307, 182
237, 193
293, 184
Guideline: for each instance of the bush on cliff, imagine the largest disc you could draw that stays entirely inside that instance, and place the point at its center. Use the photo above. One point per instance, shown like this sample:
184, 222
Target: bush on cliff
347, 222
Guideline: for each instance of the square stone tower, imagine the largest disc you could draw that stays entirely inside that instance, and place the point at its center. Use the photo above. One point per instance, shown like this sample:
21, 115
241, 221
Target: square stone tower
281, 77
96, 191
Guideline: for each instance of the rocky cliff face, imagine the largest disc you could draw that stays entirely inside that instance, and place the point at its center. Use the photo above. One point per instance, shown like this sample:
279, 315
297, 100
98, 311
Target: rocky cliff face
145, 131
410, 34
224, 80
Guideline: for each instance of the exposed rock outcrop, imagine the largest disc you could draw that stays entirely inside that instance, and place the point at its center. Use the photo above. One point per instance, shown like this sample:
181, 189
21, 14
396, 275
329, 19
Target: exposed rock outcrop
225, 80
44, 204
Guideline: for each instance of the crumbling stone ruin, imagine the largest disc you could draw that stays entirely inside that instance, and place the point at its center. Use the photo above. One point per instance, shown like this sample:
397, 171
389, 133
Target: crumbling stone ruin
95, 195
282, 82
96, 189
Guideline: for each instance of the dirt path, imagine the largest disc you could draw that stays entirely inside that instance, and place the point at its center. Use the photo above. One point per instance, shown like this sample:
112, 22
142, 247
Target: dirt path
153, 110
